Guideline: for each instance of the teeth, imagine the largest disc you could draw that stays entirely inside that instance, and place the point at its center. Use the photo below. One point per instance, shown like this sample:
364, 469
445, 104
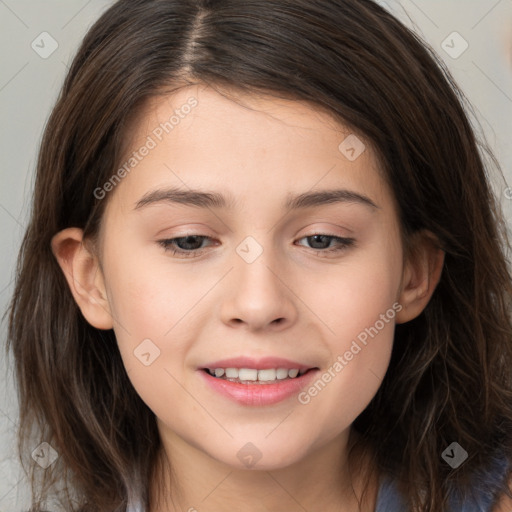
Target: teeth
282, 373
231, 373
267, 375
251, 374
246, 374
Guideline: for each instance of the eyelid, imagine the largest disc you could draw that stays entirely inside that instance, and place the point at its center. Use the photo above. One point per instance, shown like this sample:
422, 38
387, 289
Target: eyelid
343, 244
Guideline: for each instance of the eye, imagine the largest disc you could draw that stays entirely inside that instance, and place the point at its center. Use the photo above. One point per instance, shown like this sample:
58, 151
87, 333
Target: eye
319, 241
190, 242
190, 246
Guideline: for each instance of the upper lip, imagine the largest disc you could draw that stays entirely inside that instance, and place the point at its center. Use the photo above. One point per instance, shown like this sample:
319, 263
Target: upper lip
264, 363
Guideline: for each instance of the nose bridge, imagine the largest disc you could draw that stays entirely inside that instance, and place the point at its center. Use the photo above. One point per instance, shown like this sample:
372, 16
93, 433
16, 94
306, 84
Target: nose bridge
259, 297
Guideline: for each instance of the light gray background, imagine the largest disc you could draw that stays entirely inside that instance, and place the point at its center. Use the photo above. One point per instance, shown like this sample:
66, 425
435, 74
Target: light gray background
29, 85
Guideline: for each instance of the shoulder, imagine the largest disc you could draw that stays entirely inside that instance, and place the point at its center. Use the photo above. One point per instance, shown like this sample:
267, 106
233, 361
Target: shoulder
486, 493
134, 507
504, 504
495, 485
501, 477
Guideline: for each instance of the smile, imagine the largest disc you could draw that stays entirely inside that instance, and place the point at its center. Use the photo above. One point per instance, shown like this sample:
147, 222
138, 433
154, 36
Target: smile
246, 388
252, 375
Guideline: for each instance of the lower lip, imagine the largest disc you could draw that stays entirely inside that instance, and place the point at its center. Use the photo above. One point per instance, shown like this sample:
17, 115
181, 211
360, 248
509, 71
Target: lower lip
259, 394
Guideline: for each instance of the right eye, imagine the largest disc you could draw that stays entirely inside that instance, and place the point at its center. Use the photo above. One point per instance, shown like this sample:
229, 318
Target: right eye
187, 246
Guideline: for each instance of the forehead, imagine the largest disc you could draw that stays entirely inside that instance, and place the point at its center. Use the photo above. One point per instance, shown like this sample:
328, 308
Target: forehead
244, 144
239, 122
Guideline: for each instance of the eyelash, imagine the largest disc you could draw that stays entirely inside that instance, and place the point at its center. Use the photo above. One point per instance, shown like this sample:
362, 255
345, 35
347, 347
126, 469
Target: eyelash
344, 244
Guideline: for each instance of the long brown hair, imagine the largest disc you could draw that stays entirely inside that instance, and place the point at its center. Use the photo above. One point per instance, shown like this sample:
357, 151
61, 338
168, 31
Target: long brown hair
449, 377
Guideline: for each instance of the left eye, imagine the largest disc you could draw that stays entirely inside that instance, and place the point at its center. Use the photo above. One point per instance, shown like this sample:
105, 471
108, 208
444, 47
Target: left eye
190, 245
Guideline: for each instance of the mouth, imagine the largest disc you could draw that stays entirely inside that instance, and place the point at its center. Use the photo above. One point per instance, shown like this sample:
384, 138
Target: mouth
251, 376
257, 386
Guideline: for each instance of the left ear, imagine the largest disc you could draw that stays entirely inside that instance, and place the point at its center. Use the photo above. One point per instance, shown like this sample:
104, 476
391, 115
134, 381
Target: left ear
421, 275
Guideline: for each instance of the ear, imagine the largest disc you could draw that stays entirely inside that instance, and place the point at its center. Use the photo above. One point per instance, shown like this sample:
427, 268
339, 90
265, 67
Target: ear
421, 275
84, 276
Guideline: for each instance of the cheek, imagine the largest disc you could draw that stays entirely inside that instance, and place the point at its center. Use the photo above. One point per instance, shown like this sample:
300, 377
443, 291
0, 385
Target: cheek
150, 293
360, 350
154, 309
352, 295
151, 302
357, 305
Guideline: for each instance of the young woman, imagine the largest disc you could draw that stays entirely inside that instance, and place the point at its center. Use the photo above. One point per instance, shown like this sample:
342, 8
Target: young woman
265, 271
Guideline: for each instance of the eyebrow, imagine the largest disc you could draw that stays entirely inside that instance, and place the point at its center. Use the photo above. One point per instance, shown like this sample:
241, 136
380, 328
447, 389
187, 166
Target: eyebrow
210, 199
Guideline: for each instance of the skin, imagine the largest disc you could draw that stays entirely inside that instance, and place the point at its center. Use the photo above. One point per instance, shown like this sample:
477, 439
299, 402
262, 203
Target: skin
216, 305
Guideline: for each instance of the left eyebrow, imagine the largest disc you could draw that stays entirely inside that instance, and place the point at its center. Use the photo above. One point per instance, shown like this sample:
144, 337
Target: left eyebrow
210, 199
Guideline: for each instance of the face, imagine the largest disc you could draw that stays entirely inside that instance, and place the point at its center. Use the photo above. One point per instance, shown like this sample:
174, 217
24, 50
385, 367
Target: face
261, 275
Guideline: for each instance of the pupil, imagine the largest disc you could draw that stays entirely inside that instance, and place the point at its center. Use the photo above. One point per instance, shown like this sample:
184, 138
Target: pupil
315, 238
187, 240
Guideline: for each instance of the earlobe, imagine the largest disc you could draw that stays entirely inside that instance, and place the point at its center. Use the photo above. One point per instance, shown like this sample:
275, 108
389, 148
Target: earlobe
421, 276
84, 276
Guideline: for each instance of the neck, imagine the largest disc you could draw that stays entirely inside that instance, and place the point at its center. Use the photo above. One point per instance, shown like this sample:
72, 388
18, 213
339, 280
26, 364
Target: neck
323, 480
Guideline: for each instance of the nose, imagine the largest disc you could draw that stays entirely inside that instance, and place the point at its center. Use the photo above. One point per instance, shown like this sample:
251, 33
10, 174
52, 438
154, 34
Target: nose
260, 295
